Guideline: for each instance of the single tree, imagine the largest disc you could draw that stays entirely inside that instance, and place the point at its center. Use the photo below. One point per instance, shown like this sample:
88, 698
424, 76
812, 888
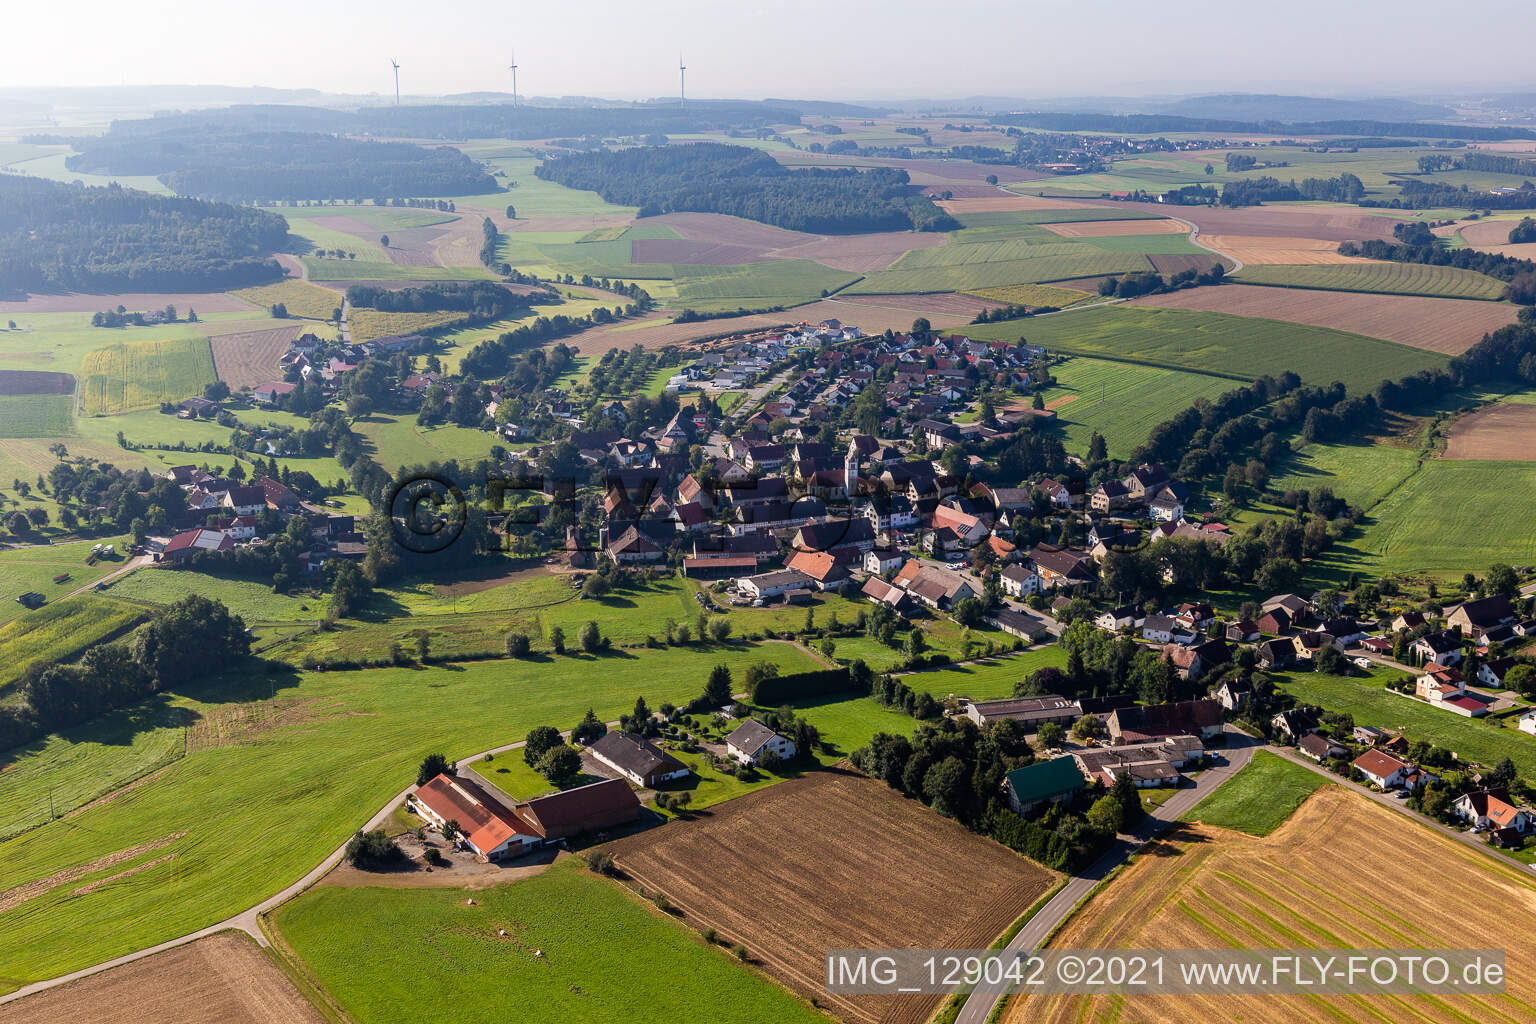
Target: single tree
540, 740
432, 766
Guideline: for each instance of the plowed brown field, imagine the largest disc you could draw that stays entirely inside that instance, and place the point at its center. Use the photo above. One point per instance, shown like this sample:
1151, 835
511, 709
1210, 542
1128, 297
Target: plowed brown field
1440, 325
1503, 432
1337, 224
223, 979
1338, 875
835, 861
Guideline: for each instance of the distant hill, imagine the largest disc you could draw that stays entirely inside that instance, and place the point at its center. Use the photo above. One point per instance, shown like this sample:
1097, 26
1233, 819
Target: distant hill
1259, 107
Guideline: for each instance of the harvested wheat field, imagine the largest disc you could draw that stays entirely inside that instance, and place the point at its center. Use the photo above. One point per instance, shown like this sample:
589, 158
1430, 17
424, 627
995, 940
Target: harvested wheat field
1116, 228
1504, 432
223, 979
251, 357
1265, 249
834, 860
1331, 224
1438, 325
1003, 203
1483, 234
714, 239
1337, 875
931, 304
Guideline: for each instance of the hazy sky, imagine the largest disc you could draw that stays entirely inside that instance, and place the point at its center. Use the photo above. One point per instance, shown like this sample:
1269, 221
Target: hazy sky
792, 48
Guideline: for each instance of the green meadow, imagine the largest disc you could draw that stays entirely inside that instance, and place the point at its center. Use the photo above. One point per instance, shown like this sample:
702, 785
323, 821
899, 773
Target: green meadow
1259, 798
1122, 401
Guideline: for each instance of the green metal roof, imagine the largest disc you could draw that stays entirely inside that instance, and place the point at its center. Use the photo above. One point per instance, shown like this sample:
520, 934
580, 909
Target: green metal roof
1045, 779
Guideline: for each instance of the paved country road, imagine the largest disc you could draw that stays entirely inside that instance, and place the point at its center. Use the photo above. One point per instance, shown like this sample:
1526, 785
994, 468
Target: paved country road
1240, 747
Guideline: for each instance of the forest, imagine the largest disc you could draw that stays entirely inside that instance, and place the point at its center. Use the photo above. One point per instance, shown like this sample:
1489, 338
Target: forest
709, 177
489, 299
239, 166
58, 237
1346, 188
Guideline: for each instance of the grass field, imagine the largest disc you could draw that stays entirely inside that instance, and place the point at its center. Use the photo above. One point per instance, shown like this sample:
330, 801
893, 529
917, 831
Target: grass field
36, 415
1393, 278
240, 820
1260, 797
757, 285
142, 374
1452, 517
985, 680
367, 270
58, 632
1082, 261
252, 600
300, 297
1371, 703
368, 947
847, 723
398, 441
33, 568
1360, 474
1330, 878
1122, 401
1217, 343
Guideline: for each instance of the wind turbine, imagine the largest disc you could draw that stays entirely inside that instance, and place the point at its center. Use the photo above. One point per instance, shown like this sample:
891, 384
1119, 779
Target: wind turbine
682, 81
396, 65
513, 66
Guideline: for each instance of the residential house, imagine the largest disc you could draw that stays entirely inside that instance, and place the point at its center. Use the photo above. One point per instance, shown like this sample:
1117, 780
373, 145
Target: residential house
192, 542
1474, 618
271, 391
637, 759
634, 547
1018, 581
881, 592
1320, 748
939, 588
1158, 629
1442, 648
1383, 770
1195, 616
1144, 483
1034, 785
1146, 764
751, 738
1059, 567
1117, 619
1444, 687
1293, 724
1244, 631
1233, 694
245, 501
825, 571
879, 561
1276, 653
768, 585
1109, 496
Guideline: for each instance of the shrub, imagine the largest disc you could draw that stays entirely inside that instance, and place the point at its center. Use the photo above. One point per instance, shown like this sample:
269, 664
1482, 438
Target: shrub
518, 645
600, 862
373, 850
741, 952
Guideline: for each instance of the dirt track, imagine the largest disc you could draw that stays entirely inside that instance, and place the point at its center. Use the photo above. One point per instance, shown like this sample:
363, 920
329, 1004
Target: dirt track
223, 979
834, 861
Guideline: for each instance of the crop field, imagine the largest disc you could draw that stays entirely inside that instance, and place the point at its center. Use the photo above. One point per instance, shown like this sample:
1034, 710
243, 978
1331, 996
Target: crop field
1451, 517
1502, 431
1083, 261
251, 357
1122, 401
35, 415
1263, 250
973, 253
230, 813
1116, 228
1260, 797
833, 853
1218, 343
1033, 295
779, 283
300, 297
142, 374
1450, 326
1372, 703
368, 324
58, 632
222, 979
569, 953
1320, 881
1389, 278
362, 270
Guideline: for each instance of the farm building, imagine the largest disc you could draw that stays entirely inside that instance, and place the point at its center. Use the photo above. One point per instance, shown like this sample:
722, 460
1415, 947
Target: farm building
748, 740
1139, 724
774, 584
1018, 623
1044, 781
488, 828
1474, 618
192, 542
637, 759
1320, 748
1030, 712
1146, 764
591, 808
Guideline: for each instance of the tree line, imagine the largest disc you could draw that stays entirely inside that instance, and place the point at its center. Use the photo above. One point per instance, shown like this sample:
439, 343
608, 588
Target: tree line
489, 299
1346, 188
710, 177
251, 166
58, 237
1519, 274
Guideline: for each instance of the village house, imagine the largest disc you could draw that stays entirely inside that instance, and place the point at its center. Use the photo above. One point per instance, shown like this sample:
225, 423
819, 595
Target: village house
1233, 694
751, 738
1291, 725
777, 583
1320, 748
1383, 770
1019, 582
637, 759
1474, 618
1442, 648
1445, 687
1146, 764
824, 571
1491, 810
1058, 567
1117, 619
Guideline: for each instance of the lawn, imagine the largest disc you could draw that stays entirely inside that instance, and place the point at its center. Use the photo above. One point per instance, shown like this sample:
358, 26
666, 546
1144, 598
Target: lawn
990, 679
283, 766
579, 948
1123, 401
142, 374
1391, 278
1364, 697
58, 632
252, 600
848, 722
400, 441
1217, 343
36, 416
1360, 474
1259, 798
